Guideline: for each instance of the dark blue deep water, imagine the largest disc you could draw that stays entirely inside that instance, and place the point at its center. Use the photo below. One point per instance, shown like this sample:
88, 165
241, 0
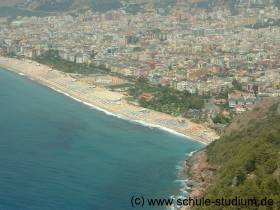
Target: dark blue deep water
56, 153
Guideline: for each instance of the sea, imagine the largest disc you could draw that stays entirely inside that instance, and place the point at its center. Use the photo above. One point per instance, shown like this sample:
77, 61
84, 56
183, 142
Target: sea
57, 153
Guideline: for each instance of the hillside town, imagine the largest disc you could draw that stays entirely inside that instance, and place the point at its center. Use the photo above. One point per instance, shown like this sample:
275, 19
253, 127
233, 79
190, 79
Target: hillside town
232, 60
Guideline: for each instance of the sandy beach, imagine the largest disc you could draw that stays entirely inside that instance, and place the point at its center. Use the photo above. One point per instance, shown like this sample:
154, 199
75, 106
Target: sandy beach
113, 103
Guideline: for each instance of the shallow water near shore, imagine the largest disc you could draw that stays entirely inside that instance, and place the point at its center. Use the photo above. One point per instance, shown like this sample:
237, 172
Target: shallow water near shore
57, 153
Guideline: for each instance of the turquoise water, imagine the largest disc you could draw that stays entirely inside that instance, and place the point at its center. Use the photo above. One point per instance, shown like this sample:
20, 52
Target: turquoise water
56, 153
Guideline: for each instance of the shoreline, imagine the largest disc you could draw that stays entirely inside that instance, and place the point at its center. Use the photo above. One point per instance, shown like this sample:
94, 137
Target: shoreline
122, 117
58, 81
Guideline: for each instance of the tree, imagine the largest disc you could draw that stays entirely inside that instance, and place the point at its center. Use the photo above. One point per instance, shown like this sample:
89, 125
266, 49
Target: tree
93, 54
237, 85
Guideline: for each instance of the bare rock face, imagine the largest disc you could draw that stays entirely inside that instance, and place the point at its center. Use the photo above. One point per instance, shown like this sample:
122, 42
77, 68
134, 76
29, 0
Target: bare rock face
199, 170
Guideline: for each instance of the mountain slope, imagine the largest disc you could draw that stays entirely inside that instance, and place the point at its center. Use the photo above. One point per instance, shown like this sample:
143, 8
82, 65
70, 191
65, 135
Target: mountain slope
247, 158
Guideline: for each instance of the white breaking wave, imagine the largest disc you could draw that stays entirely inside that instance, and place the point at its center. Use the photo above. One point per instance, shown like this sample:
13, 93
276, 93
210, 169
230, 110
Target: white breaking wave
185, 188
191, 153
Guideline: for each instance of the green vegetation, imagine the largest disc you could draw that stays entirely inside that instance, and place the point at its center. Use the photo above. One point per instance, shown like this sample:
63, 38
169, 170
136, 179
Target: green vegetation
220, 118
138, 49
121, 86
133, 39
236, 85
51, 58
166, 99
247, 158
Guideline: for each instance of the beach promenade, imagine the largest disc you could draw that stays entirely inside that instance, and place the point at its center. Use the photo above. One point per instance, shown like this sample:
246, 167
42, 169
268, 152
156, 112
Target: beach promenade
110, 102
